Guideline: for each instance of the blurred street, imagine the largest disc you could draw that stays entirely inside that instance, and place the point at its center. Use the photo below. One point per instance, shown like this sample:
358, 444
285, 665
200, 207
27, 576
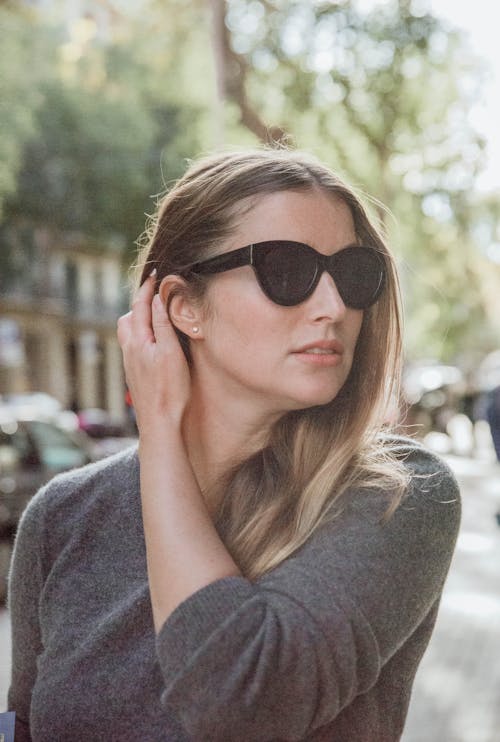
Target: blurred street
456, 697
457, 690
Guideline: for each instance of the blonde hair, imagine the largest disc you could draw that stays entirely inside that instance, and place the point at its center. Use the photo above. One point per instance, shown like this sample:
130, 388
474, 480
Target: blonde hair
271, 503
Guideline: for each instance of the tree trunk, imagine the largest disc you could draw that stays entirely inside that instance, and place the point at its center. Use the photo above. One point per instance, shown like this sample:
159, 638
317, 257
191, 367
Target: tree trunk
231, 72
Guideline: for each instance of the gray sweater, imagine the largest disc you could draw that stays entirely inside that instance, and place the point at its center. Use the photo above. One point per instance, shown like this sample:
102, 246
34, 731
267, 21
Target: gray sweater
324, 647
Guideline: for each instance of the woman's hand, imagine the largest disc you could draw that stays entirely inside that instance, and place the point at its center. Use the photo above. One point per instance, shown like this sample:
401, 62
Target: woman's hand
156, 369
178, 529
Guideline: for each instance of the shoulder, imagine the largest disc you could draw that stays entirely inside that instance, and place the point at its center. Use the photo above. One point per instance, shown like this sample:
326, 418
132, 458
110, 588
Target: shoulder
428, 472
428, 513
72, 505
71, 495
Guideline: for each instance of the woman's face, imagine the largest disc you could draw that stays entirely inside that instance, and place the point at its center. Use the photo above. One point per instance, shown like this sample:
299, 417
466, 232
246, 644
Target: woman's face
276, 357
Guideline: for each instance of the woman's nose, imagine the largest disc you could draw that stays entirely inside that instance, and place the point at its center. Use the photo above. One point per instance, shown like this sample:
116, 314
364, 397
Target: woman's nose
325, 302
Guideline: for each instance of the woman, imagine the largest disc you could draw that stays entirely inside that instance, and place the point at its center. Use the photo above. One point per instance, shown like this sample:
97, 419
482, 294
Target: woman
283, 580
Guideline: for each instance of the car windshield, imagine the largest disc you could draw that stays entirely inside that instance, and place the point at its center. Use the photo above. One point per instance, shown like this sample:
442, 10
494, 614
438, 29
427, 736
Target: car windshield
56, 449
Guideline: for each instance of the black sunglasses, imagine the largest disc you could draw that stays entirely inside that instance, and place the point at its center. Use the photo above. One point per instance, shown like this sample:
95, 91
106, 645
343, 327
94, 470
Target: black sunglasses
288, 272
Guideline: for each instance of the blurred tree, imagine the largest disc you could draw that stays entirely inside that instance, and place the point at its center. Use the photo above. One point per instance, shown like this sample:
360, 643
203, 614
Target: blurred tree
384, 95
24, 61
232, 71
87, 167
106, 135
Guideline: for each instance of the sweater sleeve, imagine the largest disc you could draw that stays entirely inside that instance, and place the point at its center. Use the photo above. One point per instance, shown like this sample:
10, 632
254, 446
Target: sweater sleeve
25, 584
283, 656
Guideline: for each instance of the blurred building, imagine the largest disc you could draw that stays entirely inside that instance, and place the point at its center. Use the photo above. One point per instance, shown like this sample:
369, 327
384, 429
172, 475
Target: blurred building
60, 298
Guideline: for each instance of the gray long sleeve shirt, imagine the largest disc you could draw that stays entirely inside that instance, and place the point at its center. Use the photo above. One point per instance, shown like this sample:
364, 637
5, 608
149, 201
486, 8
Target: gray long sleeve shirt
324, 647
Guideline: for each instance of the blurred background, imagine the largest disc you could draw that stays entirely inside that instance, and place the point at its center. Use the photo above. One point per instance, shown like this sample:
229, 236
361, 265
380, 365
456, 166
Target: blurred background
102, 102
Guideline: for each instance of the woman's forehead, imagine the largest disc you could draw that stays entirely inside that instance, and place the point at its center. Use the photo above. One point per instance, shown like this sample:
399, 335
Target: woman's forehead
311, 216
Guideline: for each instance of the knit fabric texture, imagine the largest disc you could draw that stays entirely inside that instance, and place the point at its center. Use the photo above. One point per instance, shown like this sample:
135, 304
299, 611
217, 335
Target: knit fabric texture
323, 647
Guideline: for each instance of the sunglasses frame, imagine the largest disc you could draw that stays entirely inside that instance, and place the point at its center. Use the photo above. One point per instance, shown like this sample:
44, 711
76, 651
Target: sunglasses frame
249, 255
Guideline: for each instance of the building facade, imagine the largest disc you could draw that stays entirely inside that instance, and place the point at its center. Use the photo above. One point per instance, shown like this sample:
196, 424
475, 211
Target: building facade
59, 302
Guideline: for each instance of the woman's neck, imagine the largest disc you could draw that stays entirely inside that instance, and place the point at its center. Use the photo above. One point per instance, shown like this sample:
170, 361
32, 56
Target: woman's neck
220, 432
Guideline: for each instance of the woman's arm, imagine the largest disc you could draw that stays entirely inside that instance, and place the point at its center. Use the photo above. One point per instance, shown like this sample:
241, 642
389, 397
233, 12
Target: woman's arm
25, 584
184, 551
342, 622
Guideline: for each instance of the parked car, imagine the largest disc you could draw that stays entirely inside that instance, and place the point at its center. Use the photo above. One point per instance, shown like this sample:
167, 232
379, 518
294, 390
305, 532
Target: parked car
32, 404
31, 452
109, 434
100, 424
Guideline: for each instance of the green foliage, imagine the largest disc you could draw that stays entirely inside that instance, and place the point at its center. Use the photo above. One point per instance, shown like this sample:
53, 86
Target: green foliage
106, 138
86, 163
24, 60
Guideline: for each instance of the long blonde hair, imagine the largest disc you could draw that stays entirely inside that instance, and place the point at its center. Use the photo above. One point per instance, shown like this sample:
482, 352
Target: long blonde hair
271, 503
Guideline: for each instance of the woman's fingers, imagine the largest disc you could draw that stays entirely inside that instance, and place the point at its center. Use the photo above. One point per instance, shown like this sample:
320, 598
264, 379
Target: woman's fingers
162, 326
148, 322
156, 370
136, 324
123, 328
141, 319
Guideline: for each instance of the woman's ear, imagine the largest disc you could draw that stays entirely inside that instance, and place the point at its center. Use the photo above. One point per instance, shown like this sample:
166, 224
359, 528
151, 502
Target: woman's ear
183, 312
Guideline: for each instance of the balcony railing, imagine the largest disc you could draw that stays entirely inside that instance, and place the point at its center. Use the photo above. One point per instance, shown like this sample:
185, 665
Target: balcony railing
28, 297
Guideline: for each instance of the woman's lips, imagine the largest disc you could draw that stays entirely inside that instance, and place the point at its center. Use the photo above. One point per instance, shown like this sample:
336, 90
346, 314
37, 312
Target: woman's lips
321, 353
322, 358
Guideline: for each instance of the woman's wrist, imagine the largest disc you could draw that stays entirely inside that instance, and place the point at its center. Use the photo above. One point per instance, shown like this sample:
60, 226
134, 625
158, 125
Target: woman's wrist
161, 435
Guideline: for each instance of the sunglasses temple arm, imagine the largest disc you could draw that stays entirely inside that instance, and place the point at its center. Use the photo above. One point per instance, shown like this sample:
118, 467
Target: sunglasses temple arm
224, 262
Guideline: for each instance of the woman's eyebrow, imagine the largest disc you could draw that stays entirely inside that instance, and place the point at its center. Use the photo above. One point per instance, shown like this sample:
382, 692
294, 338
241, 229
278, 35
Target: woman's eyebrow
356, 243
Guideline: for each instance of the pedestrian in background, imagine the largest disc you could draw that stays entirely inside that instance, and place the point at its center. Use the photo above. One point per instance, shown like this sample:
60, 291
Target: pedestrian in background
493, 417
268, 563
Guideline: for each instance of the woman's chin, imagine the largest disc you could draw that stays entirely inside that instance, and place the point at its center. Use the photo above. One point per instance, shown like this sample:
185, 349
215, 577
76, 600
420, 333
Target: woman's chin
315, 399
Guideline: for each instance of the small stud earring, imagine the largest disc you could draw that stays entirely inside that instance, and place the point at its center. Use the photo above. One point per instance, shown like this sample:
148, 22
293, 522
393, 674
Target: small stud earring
196, 329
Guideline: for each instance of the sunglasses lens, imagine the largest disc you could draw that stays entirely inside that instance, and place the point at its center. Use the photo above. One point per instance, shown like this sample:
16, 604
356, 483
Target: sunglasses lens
286, 271
359, 274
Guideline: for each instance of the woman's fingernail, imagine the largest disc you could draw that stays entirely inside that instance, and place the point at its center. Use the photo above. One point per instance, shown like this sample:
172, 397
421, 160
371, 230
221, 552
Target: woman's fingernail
153, 273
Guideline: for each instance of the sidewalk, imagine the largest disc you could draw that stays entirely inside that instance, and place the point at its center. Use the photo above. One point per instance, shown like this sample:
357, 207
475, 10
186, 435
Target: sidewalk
456, 696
